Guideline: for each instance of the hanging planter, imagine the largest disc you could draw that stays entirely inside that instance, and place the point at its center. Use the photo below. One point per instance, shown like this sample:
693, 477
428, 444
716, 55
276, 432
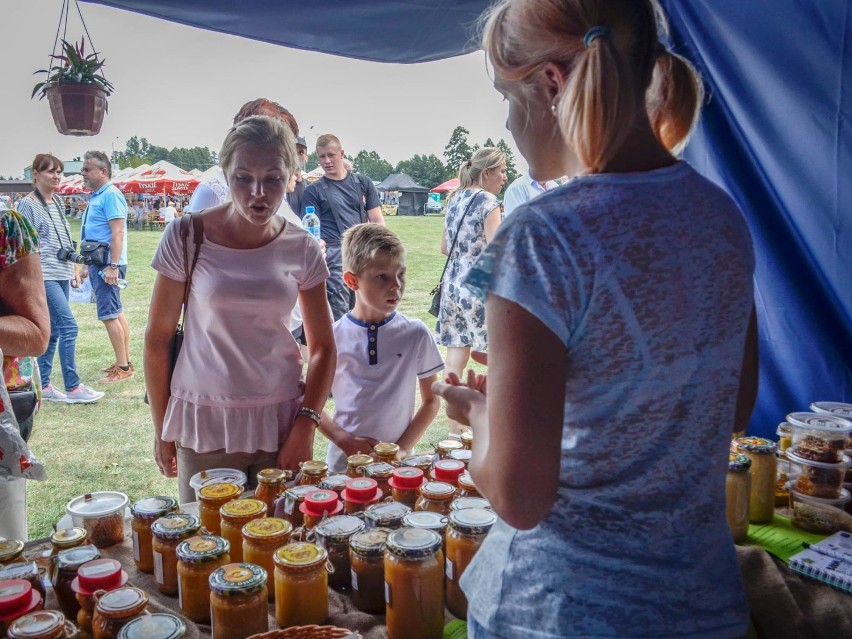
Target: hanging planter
77, 109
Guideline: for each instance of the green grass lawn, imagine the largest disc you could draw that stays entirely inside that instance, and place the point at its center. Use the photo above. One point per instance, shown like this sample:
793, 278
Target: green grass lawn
109, 445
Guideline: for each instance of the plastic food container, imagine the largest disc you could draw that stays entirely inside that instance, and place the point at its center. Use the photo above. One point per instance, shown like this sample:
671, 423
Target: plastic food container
818, 479
785, 436
101, 514
838, 409
819, 437
217, 475
820, 516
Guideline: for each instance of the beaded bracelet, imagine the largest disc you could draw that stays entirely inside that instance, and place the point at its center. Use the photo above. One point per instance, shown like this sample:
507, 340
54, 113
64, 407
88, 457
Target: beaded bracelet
310, 413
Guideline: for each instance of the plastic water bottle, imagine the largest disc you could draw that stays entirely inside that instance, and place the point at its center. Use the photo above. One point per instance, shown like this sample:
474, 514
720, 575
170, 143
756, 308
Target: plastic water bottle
311, 222
121, 283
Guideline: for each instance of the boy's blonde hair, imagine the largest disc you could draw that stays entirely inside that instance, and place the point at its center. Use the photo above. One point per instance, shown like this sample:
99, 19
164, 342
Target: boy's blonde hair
362, 242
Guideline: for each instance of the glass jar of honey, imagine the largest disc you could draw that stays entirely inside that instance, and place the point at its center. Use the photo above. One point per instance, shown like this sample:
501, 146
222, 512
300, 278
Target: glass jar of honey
211, 498
467, 439
467, 531
462, 455
10, 550
145, 512
367, 558
287, 506
17, 598
42, 624
387, 515
115, 609
446, 446
360, 492
405, 484
355, 464
168, 532
198, 557
466, 486
159, 625
301, 585
460, 503
236, 514
764, 468
333, 535
311, 472
100, 574
28, 571
270, 485
238, 601
428, 520
423, 462
414, 584
385, 452
68, 562
64, 539
261, 538
319, 504
381, 472
737, 492
335, 482
448, 471
435, 496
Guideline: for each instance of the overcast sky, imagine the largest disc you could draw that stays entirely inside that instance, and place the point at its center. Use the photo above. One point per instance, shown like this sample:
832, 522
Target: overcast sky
181, 86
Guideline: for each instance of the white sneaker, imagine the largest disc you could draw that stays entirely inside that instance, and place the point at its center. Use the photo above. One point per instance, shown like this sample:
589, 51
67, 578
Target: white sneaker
51, 394
83, 395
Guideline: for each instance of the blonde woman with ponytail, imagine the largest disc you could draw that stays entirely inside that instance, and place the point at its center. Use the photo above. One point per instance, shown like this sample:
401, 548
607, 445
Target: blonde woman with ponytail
622, 343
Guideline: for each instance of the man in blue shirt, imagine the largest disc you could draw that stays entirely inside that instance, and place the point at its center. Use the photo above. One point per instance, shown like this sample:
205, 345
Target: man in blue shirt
105, 220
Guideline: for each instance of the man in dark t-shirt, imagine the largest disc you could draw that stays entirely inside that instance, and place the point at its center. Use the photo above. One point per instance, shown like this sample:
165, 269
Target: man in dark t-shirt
341, 199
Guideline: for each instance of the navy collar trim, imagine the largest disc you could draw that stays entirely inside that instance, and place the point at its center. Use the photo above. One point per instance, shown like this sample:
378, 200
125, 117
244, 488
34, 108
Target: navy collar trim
367, 325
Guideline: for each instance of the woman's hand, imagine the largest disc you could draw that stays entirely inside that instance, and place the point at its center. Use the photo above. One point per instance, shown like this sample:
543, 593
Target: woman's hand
299, 445
75, 279
465, 402
165, 453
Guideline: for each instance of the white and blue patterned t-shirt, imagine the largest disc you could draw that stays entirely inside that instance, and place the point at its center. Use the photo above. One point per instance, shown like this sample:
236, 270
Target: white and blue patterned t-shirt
647, 280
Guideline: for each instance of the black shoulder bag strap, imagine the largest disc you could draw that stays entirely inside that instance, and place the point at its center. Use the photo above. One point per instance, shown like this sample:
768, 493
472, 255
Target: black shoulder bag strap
198, 240
58, 204
453, 246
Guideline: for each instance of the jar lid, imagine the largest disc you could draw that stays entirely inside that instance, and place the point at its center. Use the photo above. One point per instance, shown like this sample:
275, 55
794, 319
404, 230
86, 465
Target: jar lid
426, 519
214, 475
159, 625
755, 445
274, 476
423, 462
413, 543
300, 555
462, 455
17, 597
361, 490
437, 490
834, 408
369, 543
334, 482
466, 437
319, 503
406, 478
784, 428
388, 514
448, 470
267, 528
202, 548
239, 508
386, 449
10, 549
446, 445
68, 537
153, 507
298, 493
338, 529
738, 461
122, 602
358, 459
473, 521
99, 574
381, 470
97, 504
43, 623
175, 526
820, 421
466, 481
463, 503
237, 579
313, 467
219, 491
845, 461
77, 556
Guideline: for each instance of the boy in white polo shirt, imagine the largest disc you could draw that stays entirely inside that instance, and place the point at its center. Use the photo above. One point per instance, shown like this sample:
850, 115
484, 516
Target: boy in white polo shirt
380, 354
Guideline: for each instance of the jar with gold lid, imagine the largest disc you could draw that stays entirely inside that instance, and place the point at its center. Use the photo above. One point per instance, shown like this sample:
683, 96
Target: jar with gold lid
287, 506
333, 534
468, 528
448, 471
311, 472
198, 557
446, 446
388, 514
301, 585
360, 493
467, 439
68, 562
168, 532
405, 484
238, 601
367, 558
10, 550
737, 492
764, 468
414, 584
423, 462
17, 598
159, 625
63, 539
319, 504
98, 575
145, 512
270, 485
466, 486
211, 498
381, 472
336, 482
436, 496
261, 538
115, 609
385, 452
355, 464
42, 624
236, 514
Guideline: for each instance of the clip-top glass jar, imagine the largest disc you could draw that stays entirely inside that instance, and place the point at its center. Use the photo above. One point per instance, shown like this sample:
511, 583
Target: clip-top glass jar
64, 539
261, 538
100, 574
414, 584
405, 484
336, 482
436, 496
17, 598
114, 609
236, 514
333, 534
423, 462
355, 464
211, 498
287, 506
301, 585
168, 532
68, 562
468, 528
448, 471
319, 504
385, 452
737, 491
311, 472
764, 467
238, 601
360, 492
270, 485
198, 557
387, 514
42, 624
367, 558
159, 625
145, 512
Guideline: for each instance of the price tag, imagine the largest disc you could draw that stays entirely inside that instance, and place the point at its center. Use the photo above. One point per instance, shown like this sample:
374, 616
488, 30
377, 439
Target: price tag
158, 568
354, 579
449, 569
135, 536
388, 594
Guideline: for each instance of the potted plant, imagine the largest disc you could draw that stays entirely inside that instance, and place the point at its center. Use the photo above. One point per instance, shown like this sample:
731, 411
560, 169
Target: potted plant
76, 90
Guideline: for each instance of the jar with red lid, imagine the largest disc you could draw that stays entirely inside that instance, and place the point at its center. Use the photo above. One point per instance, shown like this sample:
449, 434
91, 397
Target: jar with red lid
42, 624
17, 598
436, 496
68, 562
101, 574
336, 482
311, 472
318, 505
381, 472
28, 571
448, 470
466, 486
270, 485
405, 484
287, 506
355, 464
236, 514
360, 493
115, 609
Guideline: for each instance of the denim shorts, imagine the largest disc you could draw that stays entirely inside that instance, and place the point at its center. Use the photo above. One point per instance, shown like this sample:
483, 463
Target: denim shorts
107, 298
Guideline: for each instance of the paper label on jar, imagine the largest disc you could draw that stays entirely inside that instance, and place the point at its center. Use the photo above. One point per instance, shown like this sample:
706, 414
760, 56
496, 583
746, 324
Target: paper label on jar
354, 579
135, 536
388, 594
288, 505
180, 593
158, 568
449, 569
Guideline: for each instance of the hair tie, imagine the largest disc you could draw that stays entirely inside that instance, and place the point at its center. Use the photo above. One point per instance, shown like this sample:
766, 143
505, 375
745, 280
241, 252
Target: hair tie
594, 33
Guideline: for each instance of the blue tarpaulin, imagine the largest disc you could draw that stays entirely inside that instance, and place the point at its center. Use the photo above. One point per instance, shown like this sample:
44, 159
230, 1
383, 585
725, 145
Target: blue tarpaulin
775, 133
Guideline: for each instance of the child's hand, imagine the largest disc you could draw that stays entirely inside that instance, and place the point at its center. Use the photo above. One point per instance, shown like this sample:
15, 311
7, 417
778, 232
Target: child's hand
465, 402
351, 445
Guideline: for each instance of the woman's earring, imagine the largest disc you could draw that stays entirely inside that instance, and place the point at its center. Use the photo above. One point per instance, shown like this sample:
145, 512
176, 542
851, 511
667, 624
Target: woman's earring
553, 108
